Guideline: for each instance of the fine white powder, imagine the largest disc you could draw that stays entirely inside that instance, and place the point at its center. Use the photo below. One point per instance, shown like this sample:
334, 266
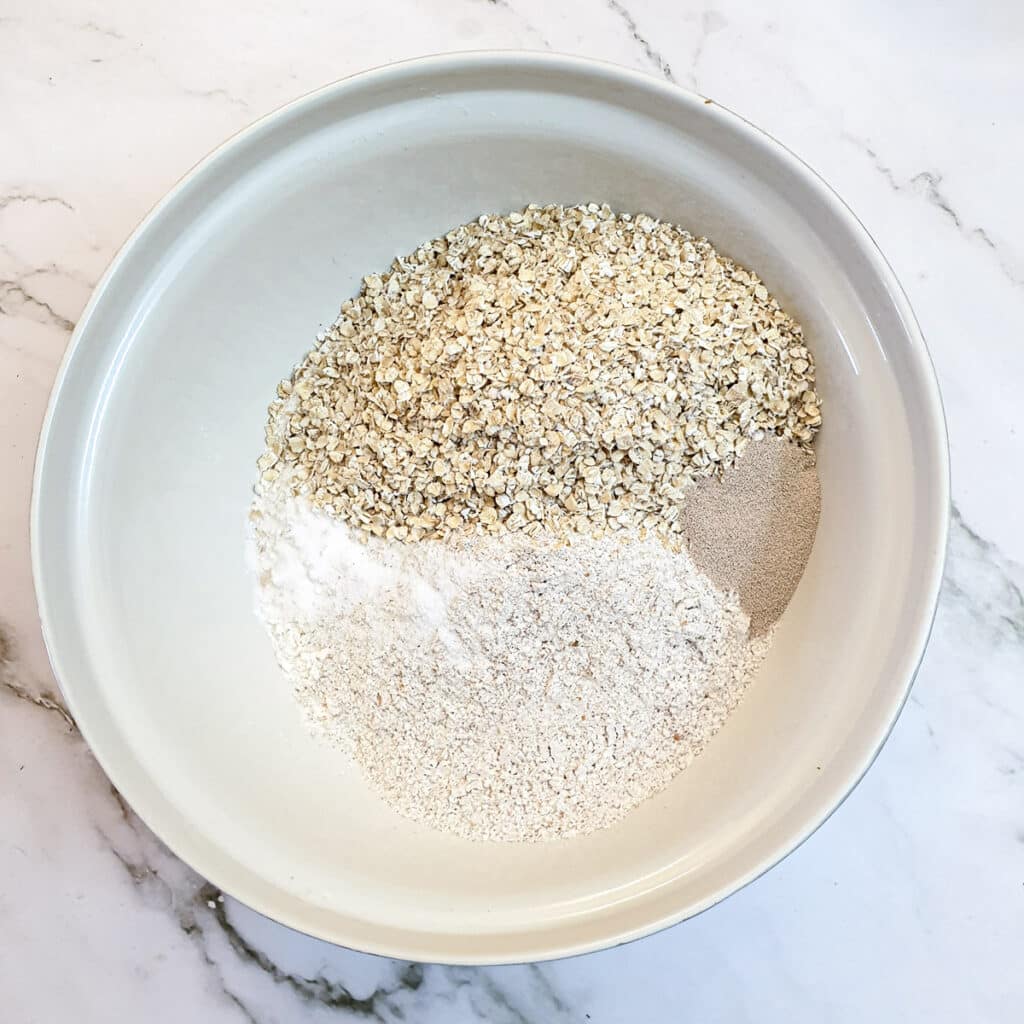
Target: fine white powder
505, 687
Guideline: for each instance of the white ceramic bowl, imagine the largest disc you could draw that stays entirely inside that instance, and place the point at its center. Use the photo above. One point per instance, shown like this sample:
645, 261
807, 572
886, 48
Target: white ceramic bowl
147, 459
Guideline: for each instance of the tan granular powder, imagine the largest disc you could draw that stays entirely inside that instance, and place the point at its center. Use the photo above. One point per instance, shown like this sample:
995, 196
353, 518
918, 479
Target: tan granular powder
752, 531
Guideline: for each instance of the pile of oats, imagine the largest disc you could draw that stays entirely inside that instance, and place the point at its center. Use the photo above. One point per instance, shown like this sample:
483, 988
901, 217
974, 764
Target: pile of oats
563, 369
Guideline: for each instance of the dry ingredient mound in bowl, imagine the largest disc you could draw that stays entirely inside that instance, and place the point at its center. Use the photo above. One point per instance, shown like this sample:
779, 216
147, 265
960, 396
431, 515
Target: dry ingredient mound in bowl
470, 528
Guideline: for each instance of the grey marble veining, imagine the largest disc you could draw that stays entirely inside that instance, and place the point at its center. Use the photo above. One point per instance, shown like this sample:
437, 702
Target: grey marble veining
909, 903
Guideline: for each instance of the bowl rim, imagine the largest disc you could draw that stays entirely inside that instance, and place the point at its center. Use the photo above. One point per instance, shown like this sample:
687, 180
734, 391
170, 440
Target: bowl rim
423, 945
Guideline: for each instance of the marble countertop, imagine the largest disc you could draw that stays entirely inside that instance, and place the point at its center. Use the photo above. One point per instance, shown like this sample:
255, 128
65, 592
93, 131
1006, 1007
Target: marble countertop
909, 903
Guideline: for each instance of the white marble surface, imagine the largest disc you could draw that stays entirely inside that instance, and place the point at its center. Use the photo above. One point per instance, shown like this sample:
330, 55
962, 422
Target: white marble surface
909, 903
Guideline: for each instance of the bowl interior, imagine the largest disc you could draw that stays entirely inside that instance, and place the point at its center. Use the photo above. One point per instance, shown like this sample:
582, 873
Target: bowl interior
148, 461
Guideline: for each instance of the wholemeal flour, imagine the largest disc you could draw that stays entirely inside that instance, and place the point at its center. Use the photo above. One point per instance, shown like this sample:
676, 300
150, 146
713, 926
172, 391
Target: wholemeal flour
501, 688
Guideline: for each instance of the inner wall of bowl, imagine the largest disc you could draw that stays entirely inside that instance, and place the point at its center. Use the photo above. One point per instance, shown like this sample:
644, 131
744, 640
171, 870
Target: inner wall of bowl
235, 296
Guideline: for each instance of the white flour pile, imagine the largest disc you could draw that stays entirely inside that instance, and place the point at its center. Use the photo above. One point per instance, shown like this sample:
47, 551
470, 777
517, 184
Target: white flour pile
504, 688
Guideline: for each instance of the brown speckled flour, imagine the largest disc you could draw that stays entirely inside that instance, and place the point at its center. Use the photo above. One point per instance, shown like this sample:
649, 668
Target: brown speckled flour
508, 688
752, 531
